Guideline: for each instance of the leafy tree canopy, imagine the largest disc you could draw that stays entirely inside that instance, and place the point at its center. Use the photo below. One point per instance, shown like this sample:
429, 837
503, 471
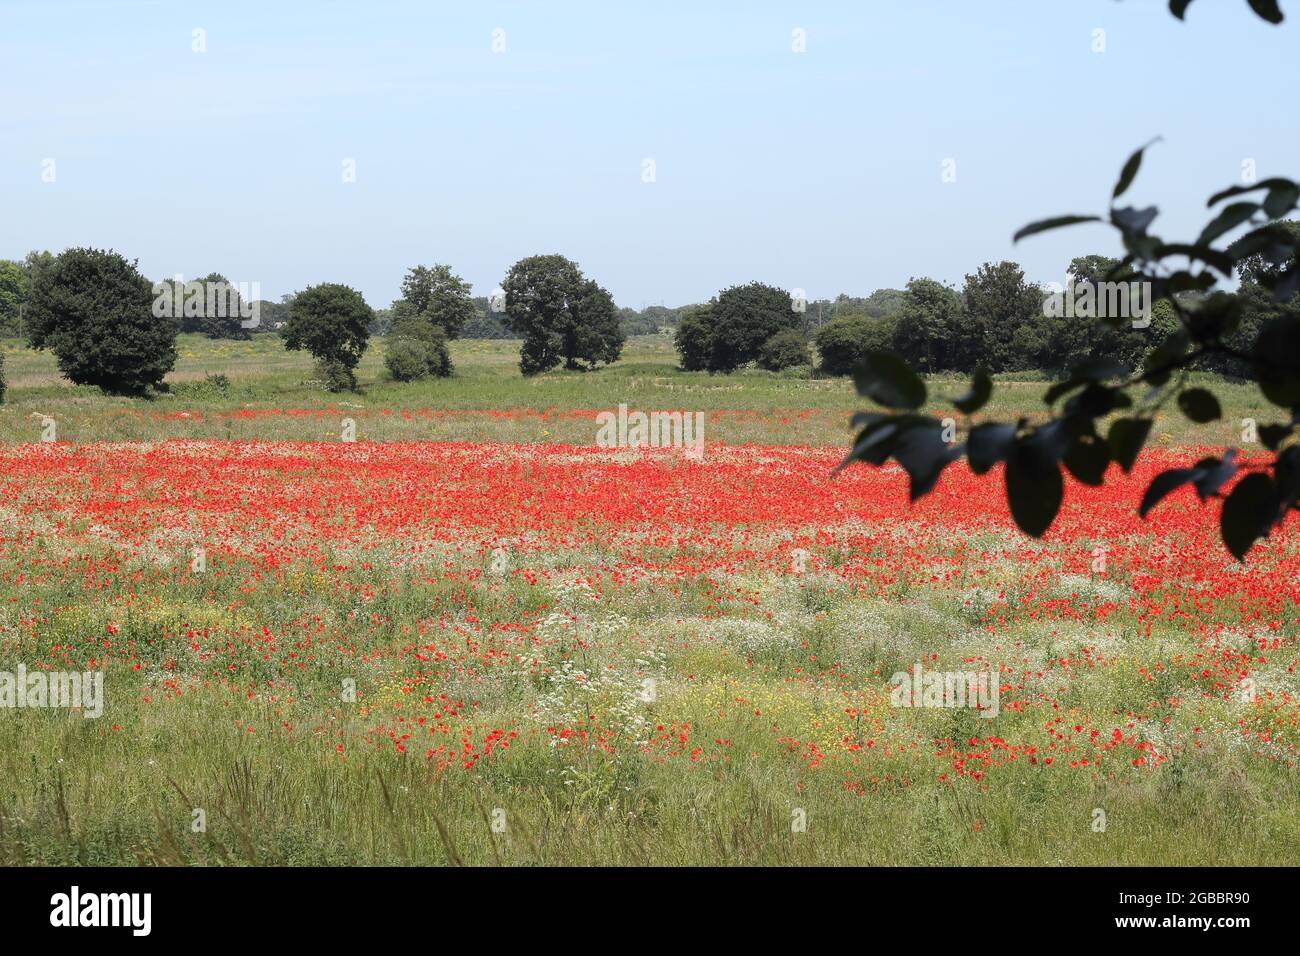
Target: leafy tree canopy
441, 296
93, 309
332, 322
845, 341
736, 325
561, 315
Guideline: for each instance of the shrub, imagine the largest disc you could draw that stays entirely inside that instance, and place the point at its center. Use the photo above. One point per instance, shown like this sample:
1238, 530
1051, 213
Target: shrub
786, 349
335, 375
212, 386
407, 359
844, 342
439, 358
430, 341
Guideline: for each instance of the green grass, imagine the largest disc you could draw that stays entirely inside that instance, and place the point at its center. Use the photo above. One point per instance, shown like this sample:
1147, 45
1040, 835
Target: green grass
75, 791
747, 406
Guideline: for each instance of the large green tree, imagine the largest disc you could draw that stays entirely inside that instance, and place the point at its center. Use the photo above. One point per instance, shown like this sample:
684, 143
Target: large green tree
210, 306
1092, 318
881, 304
562, 316
441, 297
742, 319
845, 341
1001, 327
925, 330
93, 309
332, 322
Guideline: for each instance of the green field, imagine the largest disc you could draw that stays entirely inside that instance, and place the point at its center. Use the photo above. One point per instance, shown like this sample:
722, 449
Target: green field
375, 563
747, 406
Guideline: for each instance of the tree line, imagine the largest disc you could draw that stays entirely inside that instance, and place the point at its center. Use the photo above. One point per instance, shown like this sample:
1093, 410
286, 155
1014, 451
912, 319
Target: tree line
99, 316
110, 327
997, 321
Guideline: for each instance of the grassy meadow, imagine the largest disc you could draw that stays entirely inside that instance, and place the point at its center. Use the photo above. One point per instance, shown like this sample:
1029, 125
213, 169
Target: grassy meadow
471, 637
749, 406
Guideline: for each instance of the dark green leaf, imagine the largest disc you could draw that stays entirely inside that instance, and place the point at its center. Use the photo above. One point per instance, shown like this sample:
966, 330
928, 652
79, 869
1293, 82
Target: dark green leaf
981, 387
1062, 388
1267, 9
1034, 494
1161, 485
1273, 241
1130, 171
1183, 281
924, 455
1213, 257
1246, 513
1043, 225
887, 379
1142, 246
1088, 458
1093, 402
1135, 221
1047, 443
1211, 474
873, 444
989, 444
1286, 479
1126, 438
862, 419
1179, 7
1277, 361
1232, 216
1273, 435
1199, 405
1231, 191
1281, 200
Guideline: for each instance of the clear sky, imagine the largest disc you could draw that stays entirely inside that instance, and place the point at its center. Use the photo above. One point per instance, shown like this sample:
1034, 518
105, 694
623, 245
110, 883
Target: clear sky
819, 170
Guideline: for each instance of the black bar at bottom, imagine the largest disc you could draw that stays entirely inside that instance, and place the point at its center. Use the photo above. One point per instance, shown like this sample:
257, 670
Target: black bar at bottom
337, 905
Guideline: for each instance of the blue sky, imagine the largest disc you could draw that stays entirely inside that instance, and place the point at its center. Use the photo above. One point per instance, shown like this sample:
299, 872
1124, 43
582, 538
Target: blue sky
818, 170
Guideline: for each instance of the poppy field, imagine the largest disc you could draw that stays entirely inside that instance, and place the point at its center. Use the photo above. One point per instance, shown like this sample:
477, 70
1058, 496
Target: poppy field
331, 652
